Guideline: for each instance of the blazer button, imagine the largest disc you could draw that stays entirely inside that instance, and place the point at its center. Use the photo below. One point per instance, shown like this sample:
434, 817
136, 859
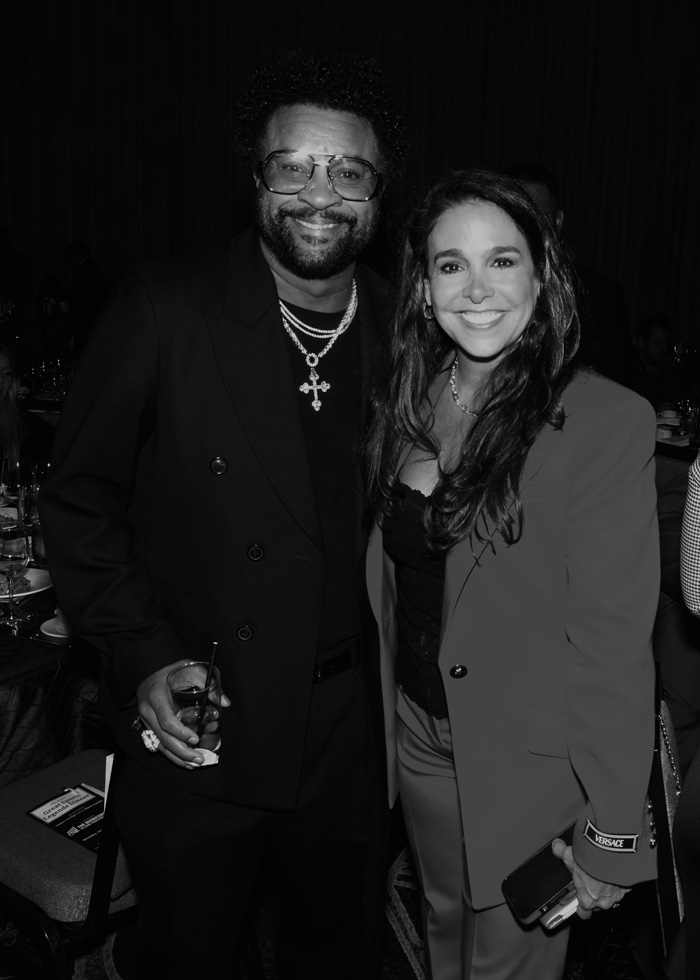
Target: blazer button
256, 552
244, 633
458, 671
218, 466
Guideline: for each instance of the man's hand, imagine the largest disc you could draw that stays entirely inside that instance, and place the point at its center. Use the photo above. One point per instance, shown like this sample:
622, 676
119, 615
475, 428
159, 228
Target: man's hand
591, 893
177, 742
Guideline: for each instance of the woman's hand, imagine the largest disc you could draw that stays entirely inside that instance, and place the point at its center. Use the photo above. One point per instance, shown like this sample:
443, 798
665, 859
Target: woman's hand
591, 893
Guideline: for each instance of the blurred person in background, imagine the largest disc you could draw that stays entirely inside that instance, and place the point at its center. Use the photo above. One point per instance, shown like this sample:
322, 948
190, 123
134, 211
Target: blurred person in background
683, 961
653, 373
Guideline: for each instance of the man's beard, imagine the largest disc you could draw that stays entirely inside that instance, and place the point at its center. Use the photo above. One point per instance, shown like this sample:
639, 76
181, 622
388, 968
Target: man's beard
322, 261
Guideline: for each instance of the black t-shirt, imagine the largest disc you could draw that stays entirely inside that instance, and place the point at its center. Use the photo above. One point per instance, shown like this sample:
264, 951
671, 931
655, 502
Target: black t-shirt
331, 437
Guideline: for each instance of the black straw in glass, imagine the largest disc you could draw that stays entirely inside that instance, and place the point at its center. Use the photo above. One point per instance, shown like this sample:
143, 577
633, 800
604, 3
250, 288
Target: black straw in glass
210, 671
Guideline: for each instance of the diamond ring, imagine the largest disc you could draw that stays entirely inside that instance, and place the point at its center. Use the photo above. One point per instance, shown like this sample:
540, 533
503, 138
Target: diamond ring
150, 739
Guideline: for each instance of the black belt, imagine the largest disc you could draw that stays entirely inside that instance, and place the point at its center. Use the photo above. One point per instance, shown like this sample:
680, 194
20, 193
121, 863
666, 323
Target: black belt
350, 657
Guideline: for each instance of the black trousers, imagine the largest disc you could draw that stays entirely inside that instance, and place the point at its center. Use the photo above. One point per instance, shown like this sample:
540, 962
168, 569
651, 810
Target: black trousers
196, 861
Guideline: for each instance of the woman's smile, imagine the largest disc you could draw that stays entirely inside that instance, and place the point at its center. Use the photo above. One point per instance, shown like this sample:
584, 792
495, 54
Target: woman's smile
481, 318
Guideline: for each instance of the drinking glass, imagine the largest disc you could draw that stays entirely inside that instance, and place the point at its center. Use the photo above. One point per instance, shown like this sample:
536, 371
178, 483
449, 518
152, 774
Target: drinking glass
42, 470
28, 514
197, 705
14, 555
17, 472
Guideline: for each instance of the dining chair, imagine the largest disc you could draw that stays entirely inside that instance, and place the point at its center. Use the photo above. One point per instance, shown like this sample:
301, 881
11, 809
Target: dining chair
56, 894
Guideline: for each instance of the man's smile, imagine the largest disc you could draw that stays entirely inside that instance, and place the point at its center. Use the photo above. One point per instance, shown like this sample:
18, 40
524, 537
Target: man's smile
317, 225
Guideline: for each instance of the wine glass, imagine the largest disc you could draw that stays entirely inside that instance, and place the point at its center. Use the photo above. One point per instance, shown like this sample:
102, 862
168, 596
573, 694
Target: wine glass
42, 470
28, 514
17, 473
14, 555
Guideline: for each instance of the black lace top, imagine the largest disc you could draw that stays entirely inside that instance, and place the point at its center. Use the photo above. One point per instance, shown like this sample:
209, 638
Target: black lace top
420, 579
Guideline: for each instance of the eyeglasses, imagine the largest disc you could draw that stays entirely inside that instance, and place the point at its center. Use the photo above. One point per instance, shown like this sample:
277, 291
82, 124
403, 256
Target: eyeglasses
288, 173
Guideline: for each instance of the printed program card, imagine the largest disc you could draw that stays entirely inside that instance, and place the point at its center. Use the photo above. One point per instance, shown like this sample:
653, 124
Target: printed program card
77, 814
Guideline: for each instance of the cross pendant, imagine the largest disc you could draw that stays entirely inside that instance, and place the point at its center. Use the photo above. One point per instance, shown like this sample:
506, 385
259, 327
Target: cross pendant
315, 386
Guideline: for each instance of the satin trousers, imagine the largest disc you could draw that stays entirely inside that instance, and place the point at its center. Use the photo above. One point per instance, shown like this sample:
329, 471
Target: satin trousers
462, 943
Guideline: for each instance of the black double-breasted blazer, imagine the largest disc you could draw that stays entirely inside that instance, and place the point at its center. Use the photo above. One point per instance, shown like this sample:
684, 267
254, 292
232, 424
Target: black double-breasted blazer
182, 508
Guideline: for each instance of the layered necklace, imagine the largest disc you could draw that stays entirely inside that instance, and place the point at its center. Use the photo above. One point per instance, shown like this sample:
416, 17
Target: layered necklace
453, 386
291, 322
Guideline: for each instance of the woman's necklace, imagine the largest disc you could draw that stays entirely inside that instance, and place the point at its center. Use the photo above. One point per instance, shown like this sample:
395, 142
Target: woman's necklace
458, 403
288, 320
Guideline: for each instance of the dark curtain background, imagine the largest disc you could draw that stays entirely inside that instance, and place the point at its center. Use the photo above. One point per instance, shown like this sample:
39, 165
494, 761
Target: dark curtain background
115, 119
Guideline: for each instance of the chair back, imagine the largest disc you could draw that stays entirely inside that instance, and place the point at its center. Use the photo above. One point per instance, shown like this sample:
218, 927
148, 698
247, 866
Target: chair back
51, 887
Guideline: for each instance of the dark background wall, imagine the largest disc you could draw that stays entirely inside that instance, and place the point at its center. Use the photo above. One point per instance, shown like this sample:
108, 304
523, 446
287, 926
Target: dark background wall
115, 119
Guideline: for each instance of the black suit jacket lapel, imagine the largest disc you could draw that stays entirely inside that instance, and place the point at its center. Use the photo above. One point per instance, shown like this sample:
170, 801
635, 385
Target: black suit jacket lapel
370, 316
253, 357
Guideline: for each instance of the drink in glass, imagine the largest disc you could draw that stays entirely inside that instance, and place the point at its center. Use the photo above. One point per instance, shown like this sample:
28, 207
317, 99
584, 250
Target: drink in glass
197, 705
14, 556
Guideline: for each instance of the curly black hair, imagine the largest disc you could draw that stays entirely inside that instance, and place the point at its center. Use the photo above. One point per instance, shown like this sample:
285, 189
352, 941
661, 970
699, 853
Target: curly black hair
345, 82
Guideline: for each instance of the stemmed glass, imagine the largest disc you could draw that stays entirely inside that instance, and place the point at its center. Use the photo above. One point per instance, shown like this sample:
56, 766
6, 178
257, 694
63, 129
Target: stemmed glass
28, 514
14, 556
41, 471
17, 473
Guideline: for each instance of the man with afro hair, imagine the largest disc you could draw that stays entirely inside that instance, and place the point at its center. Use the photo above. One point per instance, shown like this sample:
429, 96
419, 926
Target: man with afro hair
204, 491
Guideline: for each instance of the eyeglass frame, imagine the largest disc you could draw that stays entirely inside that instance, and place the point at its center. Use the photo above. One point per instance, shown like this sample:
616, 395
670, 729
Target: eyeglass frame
330, 157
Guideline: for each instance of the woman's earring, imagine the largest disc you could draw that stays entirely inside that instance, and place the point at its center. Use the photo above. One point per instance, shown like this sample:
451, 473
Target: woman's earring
428, 311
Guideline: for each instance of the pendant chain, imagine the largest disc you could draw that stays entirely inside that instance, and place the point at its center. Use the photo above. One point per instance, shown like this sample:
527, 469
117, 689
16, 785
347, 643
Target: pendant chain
453, 385
290, 321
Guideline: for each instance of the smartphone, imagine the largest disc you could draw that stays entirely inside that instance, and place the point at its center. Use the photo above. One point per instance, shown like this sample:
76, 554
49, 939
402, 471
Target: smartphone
561, 911
541, 885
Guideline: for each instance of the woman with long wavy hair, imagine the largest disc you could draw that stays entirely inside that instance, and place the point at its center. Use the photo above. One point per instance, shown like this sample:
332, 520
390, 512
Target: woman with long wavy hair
513, 571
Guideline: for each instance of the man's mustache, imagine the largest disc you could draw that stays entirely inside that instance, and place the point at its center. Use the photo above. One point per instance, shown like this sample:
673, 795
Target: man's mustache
310, 214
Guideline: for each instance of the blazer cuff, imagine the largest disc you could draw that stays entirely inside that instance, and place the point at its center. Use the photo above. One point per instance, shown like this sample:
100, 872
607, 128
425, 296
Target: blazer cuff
618, 855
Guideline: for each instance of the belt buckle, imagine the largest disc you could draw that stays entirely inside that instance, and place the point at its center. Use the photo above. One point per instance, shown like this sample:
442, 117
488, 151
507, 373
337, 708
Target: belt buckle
318, 676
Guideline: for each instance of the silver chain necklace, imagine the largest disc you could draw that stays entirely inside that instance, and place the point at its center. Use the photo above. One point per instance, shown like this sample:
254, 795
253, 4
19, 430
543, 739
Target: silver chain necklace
314, 384
453, 386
